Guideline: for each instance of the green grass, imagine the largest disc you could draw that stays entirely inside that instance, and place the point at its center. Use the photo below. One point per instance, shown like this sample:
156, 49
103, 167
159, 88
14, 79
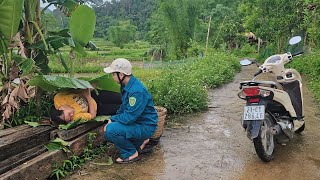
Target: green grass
96, 60
309, 65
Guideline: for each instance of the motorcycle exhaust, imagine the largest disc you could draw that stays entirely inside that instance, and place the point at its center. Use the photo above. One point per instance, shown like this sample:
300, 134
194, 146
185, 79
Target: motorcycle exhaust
287, 128
282, 128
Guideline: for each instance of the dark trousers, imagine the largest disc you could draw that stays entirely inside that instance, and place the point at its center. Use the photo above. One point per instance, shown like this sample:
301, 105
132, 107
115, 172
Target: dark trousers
108, 102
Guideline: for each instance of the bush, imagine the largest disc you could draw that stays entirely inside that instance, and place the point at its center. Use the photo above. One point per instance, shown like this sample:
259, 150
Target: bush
29, 112
177, 93
248, 49
182, 87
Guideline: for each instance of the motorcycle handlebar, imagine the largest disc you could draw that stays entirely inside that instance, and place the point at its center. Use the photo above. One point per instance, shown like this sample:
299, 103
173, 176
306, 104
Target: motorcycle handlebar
297, 54
257, 73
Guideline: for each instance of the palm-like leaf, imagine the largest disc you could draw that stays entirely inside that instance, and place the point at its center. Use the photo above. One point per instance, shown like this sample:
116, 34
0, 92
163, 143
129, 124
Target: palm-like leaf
10, 13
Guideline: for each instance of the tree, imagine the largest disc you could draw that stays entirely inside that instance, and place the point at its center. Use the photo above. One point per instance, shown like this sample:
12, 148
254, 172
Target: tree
273, 20
49, 21
123, 33
177, 24
136, 11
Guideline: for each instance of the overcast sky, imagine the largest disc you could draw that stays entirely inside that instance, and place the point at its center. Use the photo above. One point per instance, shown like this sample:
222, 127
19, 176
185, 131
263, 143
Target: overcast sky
45, 4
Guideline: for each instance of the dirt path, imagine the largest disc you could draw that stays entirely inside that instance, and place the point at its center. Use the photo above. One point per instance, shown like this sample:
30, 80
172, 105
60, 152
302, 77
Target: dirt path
213, 145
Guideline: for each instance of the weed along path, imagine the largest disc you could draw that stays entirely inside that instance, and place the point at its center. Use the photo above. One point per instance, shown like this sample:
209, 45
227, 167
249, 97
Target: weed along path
213, 145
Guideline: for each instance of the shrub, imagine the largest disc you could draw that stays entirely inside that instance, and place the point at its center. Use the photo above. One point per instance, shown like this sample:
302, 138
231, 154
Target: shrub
182, 87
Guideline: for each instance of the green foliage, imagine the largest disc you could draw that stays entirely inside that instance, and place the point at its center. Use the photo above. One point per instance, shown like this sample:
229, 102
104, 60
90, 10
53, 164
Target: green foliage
52, 83
136, 11
267, 19
10, 13
82, 24
179, 19
108, 163
77, 161
105, 82
309, 65
50, 22
101, 118
29, 111
58, 144
247, 49
122, 33
182, 87
71, 124
33, 124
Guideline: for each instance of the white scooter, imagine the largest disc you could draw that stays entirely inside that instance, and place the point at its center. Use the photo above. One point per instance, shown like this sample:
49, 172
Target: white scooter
274, 109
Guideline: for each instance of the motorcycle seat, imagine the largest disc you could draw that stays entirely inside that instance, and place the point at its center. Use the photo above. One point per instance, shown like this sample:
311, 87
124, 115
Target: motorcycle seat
271, 84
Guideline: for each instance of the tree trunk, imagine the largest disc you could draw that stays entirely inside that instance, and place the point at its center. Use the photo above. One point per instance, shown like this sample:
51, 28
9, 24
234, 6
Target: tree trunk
219, 31
208, 35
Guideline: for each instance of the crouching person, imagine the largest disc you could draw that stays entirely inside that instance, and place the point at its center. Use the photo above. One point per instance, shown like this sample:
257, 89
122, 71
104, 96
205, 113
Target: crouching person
136, 120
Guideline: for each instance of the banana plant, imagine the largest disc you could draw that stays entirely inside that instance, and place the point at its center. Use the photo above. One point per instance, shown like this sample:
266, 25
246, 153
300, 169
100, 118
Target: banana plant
24, 49
13, 88
78, 36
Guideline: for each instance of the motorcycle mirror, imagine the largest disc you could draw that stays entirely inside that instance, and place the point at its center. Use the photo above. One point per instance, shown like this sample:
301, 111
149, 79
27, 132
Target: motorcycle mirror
245, 62
295, 40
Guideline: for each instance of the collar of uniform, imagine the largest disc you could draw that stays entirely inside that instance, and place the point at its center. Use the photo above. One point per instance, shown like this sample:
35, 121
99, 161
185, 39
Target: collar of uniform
130, 83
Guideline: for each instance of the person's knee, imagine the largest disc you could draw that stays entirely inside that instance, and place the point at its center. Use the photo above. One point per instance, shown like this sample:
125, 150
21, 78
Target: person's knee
111, 131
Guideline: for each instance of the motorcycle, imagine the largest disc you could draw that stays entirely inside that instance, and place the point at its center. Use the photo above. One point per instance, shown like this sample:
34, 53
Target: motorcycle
274, 109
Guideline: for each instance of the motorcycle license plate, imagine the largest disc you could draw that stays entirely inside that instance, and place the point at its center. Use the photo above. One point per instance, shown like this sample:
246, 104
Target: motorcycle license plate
253, 113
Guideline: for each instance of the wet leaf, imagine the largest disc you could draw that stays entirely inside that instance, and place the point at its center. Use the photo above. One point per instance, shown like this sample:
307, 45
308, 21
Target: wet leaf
58, 140
33, 124
101, 118
108, 163
70, 125
57, 144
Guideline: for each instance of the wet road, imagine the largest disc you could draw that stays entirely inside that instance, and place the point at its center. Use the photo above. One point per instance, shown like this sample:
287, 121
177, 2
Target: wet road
213, 145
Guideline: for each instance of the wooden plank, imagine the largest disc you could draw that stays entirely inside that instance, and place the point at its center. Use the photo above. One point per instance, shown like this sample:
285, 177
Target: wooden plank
72, 133
21, 141
19, 159
9, 131
41, 166
77, 145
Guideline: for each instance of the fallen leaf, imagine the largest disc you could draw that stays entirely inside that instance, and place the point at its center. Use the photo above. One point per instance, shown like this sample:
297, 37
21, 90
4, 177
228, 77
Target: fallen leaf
33, 124
108, 163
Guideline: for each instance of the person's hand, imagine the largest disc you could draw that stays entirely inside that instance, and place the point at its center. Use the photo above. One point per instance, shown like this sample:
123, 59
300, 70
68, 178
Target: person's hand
105, 127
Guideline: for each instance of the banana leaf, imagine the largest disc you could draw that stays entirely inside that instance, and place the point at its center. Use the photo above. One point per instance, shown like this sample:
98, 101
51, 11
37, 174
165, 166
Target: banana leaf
82, 24
52, 83
10, 13
105, 82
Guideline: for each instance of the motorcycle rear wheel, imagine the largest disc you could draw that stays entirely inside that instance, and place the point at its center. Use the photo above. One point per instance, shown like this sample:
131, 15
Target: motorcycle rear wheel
264, 143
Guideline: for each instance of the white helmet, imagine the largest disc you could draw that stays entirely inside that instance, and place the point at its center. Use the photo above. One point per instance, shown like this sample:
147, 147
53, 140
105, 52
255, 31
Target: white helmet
119, 65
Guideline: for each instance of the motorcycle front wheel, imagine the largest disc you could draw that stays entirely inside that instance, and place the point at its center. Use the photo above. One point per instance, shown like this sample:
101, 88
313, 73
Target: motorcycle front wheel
264, 142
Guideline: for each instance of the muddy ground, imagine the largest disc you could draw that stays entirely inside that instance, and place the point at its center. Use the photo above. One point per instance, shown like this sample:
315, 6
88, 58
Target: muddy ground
213, 145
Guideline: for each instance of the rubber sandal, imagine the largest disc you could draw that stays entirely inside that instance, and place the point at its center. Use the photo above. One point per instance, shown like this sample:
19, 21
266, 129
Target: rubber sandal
146, 149
126, 160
